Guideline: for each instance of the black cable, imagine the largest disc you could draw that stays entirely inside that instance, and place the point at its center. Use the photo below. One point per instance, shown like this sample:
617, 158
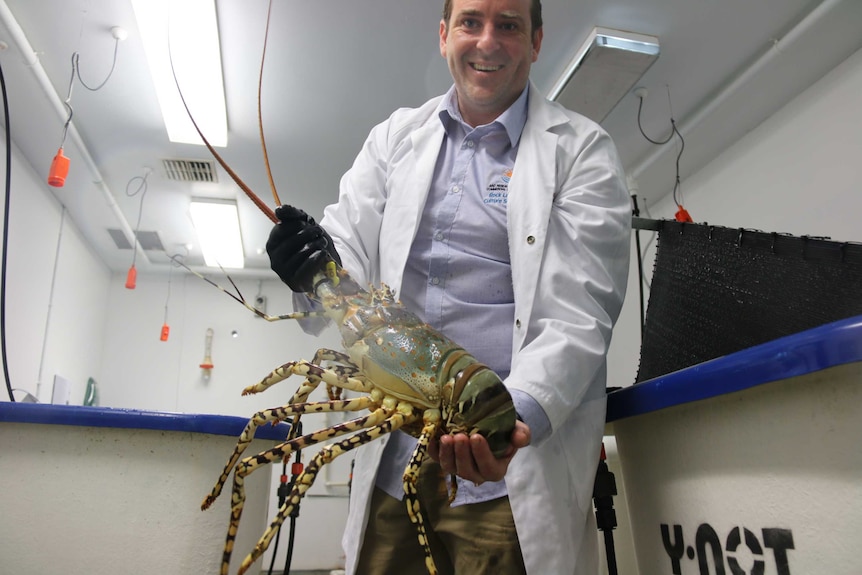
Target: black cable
5, 237
295, 513
291, 537
610, 552
604, 490
636, 212
673, 131
283, 491
281, 498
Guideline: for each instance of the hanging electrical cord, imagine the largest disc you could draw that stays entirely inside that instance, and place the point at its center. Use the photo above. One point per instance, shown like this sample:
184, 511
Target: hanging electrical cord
8, 194
682, 214
132, 276
60, 164
166, 330
119, 34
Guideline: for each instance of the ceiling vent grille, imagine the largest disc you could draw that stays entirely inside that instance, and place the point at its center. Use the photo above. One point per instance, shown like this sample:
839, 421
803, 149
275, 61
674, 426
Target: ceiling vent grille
120, 239
149, 240
190, 170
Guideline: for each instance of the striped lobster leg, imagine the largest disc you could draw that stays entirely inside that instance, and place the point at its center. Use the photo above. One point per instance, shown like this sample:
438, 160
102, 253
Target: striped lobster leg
306, 479
411, 480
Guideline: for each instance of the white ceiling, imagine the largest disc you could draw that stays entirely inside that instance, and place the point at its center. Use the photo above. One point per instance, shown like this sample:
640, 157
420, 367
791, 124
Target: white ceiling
335, 68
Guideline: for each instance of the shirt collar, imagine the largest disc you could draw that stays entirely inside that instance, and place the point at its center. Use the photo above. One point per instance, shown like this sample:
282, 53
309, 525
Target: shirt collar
512, 120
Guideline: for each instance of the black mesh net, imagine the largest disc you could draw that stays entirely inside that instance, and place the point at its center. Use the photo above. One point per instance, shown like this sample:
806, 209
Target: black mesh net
718, 290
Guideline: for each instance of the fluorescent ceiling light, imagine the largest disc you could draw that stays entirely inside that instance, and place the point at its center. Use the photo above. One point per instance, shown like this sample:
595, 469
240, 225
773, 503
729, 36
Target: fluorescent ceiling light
187, 32
217, 224
603, 70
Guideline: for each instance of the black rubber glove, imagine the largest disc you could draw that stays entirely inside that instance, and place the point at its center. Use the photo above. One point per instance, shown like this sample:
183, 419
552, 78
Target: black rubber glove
298, 248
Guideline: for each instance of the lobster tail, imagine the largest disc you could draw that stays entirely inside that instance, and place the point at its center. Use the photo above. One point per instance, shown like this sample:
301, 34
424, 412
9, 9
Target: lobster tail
484, 406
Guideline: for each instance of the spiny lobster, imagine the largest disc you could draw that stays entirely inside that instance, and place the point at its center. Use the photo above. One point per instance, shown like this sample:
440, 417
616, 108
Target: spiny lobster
413, 377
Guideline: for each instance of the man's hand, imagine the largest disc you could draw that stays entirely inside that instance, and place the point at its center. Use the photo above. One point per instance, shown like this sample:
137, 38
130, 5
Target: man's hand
470, 458
298, 248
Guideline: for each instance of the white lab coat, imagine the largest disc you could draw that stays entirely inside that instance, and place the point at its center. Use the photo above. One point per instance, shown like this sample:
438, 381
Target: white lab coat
569, 235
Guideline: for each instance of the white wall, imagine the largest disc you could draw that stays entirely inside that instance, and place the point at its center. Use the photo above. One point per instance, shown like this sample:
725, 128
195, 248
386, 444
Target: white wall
799, 172
140, 371
48, 334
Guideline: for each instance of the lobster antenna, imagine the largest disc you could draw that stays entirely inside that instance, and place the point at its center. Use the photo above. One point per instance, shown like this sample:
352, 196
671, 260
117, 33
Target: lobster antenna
241, 299
260, 110
248, 192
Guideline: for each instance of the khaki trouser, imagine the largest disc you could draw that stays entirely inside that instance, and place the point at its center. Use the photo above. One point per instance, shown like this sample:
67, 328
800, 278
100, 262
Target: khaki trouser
475, 539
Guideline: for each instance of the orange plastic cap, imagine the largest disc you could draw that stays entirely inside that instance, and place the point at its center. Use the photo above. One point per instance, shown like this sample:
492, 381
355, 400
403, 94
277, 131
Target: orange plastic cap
59, 170
131, 278
682, 215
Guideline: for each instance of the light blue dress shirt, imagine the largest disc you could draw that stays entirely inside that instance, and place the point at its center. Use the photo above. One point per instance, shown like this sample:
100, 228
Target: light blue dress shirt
458, 276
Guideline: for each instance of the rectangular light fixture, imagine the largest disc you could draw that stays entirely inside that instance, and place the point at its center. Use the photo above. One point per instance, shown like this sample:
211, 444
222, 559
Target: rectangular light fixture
185, 31
217, 225
603, 70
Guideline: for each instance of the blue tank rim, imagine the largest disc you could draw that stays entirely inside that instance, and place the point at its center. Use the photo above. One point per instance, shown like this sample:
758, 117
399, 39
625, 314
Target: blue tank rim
79, 415
819, 348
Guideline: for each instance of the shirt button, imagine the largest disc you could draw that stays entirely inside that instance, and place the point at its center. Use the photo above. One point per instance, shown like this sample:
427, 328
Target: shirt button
470, 143
531, 240
438, 236
435, 280
517, 323
456, 189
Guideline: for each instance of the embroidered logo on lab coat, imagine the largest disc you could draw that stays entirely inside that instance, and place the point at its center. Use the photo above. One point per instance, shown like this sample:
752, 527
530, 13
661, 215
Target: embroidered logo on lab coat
497, 192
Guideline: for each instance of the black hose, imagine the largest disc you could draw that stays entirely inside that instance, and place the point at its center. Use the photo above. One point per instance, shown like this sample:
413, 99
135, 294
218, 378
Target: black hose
284, 490
636, 212
5, 238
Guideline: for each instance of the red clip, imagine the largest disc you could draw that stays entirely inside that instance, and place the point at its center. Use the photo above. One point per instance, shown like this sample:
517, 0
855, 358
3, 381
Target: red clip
296, 468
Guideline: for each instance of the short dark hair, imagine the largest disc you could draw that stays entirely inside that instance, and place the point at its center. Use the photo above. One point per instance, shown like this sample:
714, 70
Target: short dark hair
535, 13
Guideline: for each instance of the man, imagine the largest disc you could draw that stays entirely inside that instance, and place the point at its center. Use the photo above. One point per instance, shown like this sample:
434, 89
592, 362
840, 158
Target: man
503, 221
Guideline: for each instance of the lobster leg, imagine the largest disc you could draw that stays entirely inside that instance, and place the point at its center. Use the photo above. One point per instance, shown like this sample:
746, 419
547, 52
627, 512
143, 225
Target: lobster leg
411, 478
306, 480
273, 416
337, 376
250, 464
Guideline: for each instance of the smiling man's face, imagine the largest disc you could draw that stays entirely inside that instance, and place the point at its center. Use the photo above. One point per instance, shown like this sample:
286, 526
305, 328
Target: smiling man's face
489, 46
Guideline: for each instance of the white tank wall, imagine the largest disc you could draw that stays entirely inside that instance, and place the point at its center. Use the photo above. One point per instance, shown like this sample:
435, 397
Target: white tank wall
101, 501
763, 478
